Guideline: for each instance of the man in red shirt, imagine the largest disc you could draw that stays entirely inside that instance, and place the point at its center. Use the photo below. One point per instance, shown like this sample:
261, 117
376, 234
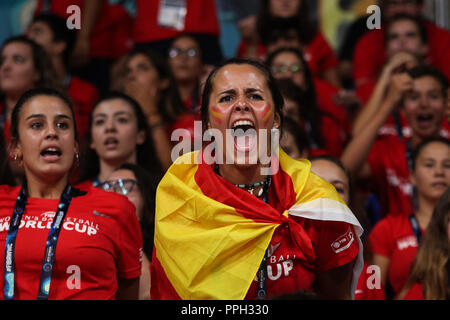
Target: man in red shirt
370, 54
422, 93
50, 32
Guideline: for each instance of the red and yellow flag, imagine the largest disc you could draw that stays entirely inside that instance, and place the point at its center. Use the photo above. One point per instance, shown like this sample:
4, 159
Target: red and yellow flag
211, 236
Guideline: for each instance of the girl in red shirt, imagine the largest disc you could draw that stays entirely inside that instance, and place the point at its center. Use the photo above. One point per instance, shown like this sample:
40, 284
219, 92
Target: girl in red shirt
430, 270
395, 239
326, 123
139, 186
91, 245
118, 133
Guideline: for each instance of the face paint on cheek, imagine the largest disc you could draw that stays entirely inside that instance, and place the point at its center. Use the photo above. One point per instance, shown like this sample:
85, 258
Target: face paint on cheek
266, 113
217, 114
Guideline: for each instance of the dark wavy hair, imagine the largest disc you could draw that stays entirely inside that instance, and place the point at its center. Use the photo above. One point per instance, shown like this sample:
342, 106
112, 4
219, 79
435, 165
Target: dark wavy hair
147, 181
271, 83
30, 94
60, 32
146, 154
426, 70
301, 22
306, 99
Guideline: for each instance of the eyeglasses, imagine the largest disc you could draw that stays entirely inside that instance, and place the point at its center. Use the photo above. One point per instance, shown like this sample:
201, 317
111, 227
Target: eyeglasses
120, 186
283, 69
190, 52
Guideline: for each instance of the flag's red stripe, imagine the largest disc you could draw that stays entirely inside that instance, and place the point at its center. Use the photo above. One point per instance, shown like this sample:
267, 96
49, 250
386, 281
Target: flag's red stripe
161, 288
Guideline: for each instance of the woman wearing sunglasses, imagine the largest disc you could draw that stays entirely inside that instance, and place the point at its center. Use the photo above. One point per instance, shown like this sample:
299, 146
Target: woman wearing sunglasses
139, 186
185, 61
328, 122
56, 241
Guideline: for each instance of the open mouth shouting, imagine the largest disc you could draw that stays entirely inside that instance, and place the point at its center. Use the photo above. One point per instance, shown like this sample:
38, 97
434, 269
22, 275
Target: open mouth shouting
425, 120
244, 135
51, 154
111, 143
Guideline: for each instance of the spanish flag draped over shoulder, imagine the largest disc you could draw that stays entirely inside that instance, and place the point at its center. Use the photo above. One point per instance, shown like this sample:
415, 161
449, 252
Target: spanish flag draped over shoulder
211, 236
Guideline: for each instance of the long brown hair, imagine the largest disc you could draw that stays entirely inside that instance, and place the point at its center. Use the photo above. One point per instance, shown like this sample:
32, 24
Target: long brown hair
431, 265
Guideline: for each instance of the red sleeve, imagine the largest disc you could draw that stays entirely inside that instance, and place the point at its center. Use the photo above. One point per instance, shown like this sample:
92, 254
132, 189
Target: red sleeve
363, 291
129, 244
84, 95
334, 135
375, 159
337, 244
438, 42
161, 288
368, 58
380, 239
321, 55
415, 293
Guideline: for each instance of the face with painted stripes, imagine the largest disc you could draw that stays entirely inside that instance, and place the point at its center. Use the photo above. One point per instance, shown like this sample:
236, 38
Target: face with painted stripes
242, 101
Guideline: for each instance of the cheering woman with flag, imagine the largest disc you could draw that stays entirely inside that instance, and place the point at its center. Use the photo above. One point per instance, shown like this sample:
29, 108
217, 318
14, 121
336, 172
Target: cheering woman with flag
228, 226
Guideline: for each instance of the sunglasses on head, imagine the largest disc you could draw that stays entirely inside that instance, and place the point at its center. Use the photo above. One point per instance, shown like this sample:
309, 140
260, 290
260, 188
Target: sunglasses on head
121, 186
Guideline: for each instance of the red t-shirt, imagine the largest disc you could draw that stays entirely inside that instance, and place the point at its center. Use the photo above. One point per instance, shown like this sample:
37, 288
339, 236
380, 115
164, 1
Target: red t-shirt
393, 237
335, 124
415, 293
319, 55
334, 135
111, 36
390, 175
200, 17
100, 241
370, 56
366, 288
84, 95
287, 268
389, 128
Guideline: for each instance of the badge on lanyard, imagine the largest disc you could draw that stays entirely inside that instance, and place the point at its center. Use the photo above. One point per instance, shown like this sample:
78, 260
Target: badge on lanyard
172, 14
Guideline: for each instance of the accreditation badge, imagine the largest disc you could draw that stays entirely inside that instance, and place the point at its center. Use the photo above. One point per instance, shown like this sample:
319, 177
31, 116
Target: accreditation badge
172, 14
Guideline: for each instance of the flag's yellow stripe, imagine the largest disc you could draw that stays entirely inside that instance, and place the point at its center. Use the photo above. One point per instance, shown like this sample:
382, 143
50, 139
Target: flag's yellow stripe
206, 248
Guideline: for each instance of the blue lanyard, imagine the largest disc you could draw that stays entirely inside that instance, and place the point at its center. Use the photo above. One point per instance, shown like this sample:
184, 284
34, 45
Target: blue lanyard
50, 247
262, 271
415, 226
409, 159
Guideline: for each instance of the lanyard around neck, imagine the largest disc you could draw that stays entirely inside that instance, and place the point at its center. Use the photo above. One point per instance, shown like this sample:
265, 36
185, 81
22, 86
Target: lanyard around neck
50, 246
415, 226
